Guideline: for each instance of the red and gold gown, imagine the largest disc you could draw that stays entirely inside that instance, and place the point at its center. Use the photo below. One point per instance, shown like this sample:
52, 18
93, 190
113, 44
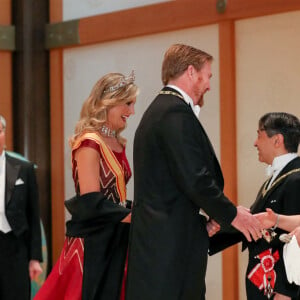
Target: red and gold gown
65, 281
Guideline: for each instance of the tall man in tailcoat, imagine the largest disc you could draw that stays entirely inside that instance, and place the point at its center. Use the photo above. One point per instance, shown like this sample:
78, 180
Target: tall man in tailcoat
177, 174
278, 137
20, 233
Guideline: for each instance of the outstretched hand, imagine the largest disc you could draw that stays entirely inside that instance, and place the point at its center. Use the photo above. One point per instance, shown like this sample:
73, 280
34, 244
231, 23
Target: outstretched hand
267, 218
247, 224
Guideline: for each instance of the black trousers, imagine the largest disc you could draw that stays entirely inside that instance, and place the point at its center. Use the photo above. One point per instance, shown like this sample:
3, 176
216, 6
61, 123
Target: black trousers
14, 268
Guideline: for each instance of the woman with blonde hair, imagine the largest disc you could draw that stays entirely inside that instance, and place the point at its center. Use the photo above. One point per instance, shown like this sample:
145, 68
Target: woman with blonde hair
92, 262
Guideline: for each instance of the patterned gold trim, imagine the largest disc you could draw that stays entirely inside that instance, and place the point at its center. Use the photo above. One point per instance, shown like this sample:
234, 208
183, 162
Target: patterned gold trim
171, 93
265, 189
111, 160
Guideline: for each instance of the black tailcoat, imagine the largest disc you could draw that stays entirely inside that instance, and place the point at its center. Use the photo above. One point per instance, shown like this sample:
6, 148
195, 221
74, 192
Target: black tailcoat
176, 173
21, 204
24, 242
284, 198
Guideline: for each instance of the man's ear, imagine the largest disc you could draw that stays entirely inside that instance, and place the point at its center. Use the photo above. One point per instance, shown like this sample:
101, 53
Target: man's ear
190, 70
279, 140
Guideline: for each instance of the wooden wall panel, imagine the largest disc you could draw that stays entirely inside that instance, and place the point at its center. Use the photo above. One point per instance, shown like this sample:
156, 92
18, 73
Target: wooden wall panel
5, 12
6, 94
173, 15
228, 146
57, 139
238, 9
6, 77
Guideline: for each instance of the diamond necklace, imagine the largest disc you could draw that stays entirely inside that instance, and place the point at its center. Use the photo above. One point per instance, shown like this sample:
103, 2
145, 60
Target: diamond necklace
105, 131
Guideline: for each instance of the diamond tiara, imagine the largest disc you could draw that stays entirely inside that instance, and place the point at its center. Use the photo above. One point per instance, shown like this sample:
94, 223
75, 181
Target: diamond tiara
124, 81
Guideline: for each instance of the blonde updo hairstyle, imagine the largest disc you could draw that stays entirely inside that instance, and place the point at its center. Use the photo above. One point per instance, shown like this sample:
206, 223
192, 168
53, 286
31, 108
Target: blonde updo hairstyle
95, 108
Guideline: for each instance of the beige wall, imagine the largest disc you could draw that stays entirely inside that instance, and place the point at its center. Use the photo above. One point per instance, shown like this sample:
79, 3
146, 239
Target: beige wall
268, 79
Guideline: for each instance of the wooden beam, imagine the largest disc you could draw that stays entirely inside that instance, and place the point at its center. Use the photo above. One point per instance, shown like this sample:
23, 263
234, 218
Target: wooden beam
238, 9
145, 20
172, 15
57, 139
6, 77
56, 10
228, 146
31, 97
6, 95
5, 12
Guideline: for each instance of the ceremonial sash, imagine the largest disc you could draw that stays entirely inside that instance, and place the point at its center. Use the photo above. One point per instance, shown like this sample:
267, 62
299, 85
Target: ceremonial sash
110, 159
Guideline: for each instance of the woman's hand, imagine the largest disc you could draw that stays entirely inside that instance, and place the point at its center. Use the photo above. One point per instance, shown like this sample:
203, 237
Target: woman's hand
212, 227
267, 219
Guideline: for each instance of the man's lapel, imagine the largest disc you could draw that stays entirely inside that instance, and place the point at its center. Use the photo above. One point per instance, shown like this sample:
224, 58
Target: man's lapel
259, 201
216, 162
264, 192
12, 172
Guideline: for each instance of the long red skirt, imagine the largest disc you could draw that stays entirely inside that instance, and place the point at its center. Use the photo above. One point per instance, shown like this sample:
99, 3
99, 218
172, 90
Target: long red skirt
65, 280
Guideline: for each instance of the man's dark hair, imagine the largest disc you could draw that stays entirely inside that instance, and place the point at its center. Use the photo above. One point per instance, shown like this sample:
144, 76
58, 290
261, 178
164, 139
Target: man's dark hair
284, 123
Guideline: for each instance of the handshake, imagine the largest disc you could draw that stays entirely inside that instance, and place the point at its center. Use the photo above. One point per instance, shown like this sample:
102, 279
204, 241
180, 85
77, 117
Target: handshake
253, 226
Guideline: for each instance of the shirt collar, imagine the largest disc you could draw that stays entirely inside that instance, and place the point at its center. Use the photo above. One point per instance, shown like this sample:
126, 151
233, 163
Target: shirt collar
279, 162
187, 99
2, 155
2, 158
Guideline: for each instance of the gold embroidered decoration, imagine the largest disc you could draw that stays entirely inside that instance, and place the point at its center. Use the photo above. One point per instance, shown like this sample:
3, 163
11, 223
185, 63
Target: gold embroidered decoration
171, 93
265, 189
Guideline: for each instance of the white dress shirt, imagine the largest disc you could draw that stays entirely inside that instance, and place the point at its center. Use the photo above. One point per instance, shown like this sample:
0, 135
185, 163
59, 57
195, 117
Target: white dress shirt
278, 164
4, 225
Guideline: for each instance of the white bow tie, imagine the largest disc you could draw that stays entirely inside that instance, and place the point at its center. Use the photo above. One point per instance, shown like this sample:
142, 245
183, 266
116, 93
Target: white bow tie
270, 170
